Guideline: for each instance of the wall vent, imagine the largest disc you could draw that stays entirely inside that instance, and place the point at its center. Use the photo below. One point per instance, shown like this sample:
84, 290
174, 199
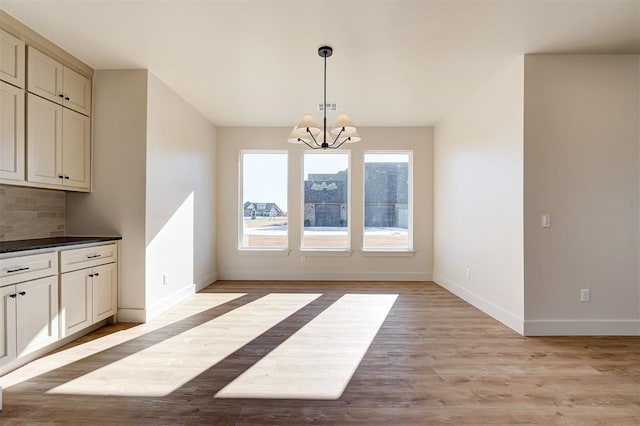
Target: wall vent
330, 106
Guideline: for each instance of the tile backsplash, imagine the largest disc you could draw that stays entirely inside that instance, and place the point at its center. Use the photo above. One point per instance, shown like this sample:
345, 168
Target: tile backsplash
30, 213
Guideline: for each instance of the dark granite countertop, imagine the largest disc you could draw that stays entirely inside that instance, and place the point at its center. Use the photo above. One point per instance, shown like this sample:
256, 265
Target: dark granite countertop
40, 243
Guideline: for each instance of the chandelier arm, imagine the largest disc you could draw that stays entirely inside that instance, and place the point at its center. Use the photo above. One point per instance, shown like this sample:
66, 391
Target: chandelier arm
337, 137
305, 142
313, 138
341, 143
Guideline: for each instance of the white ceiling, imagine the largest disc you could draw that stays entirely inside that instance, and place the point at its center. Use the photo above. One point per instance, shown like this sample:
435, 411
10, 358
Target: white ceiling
395, 63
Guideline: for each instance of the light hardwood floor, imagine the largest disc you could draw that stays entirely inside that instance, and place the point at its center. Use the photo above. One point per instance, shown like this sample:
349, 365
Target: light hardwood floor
435, 360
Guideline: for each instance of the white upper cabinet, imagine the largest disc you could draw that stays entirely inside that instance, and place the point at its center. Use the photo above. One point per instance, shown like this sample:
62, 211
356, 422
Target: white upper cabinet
77, 91
44, 76
50, 79
11, 132
58, 146
76, 149
44, 144
11, 59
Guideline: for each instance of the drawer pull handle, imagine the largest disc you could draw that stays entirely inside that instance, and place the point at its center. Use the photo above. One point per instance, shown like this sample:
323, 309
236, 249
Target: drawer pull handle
13, 296
22, 293
11, 271
93, 256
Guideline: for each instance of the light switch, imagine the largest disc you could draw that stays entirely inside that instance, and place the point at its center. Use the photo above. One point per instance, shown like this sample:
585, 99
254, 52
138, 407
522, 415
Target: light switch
546, 221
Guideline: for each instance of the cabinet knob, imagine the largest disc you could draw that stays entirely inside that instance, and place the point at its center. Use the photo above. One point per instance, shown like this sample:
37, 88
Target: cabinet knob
66, 177
60, 95
22, 293
90, 275
97, 274
60, 176
13, 296
66, 98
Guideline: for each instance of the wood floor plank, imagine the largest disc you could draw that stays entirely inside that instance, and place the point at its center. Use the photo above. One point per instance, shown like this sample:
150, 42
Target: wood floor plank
435, 361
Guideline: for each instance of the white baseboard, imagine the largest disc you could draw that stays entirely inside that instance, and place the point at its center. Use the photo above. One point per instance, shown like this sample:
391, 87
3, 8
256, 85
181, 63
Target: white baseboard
582, 328
323, 276
205, 281
131, 315
169, 301
485, 305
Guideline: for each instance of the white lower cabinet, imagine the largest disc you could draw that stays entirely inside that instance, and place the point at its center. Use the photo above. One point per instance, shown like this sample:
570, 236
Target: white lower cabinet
76, 302
105, 283
7, 324
87, 296
37, 314
53, 294
28, 317
89, 282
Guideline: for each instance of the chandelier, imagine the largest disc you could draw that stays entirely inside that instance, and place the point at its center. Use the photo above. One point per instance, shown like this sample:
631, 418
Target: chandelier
307, 131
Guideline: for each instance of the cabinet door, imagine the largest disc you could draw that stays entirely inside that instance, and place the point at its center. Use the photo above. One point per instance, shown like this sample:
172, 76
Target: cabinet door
11, 59
76, 306
7, 324
11, 132
44, 76
77, 91
36, 314
44, 141
76, 149
105, 280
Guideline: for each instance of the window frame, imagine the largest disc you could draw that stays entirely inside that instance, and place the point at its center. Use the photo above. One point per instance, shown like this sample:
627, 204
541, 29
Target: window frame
240, 213
336, 250
381, 250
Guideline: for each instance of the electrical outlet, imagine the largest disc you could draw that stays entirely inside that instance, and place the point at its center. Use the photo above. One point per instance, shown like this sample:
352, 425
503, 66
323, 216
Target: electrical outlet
165, 279
467, 273
585, 295
546, 221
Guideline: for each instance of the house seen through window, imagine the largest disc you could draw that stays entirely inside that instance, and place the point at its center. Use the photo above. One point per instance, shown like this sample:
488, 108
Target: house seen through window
326, 201
264, 200
387, 201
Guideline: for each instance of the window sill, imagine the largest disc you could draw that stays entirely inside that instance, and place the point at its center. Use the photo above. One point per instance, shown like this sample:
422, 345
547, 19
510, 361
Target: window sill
327, 253
388, 253
263, 252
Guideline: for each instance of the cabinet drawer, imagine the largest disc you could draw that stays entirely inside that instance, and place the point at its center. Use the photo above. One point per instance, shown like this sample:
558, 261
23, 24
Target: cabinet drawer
23, 268
71, 260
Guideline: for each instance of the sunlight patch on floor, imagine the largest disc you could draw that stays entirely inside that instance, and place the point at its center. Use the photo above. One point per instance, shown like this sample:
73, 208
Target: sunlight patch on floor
196, 304
167, 365
318, 361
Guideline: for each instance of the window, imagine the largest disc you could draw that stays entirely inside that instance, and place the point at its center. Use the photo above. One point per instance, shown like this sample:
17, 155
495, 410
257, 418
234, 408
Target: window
326, 201
263, 195
387, 201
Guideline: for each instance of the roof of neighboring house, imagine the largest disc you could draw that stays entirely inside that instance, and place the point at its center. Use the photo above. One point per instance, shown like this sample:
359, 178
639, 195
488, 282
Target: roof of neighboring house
384, 183
261, 207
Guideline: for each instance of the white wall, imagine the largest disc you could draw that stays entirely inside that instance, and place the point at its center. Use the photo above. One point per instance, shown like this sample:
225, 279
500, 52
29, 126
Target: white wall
478, 198
117, 205
581, 166
154, 184
180, 197
232, 265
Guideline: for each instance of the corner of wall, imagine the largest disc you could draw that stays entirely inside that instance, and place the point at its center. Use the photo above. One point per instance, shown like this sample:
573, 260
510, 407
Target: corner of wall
478, 198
